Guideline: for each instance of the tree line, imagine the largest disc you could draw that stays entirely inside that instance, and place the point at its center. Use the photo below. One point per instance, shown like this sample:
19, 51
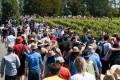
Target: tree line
96, 8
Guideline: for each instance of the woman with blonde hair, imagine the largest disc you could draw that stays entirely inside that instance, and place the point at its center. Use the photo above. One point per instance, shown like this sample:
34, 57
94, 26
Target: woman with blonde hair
81, 66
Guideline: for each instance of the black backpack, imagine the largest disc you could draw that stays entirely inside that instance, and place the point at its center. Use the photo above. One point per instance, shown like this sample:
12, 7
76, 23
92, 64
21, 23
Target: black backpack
11, 31
100, 49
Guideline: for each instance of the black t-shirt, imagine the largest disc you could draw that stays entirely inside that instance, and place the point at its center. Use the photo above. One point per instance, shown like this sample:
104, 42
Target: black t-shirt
5, 31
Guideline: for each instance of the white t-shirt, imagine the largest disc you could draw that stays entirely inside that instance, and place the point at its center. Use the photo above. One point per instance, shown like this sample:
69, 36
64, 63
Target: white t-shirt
85, 76
107, 47
10, 40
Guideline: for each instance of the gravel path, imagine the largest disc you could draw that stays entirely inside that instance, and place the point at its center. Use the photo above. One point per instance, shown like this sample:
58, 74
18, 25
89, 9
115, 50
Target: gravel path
3, 51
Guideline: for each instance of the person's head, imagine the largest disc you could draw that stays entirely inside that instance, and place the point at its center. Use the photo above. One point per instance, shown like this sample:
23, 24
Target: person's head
19, 40
10, 48
60, 60
54, 68
40, 44
19, 29
46, 44
118, 38
113, 73
65, 37
91, 48
80, 65
33, 46
75, 53
33, 35
106, 37
86, 54
85, 30
100, 38
45, 34
32, 40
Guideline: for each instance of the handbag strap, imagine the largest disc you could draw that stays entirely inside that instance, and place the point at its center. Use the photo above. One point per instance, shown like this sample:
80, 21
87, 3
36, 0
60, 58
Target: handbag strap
22, 47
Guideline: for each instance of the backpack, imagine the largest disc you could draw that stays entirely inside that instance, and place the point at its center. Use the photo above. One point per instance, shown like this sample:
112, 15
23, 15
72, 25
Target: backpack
90, 68
100, 49
11, 31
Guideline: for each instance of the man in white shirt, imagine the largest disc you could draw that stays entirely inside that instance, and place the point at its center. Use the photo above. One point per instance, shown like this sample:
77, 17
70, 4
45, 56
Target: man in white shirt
107, 48
10, 40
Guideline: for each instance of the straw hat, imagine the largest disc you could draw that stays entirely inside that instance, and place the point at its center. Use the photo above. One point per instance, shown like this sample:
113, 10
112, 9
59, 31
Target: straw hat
51, 53
60, 60
113, 73
34, 46
19, 39
40, 43
75, 49
115, 69
46, 42
109, 76
10, 47
90, 48
32, 39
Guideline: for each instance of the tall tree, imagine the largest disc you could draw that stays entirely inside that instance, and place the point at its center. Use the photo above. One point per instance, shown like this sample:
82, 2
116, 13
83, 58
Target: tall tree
0, 8
10, 9
98, 7
42, 7
21, 4
29, 7
76, 6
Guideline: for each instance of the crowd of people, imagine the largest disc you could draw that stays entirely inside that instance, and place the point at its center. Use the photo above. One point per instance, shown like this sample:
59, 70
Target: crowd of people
42, 52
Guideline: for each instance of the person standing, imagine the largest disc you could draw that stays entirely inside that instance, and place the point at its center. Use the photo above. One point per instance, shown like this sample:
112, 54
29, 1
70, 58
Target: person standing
81, 66
106, 57
10, 40
10, 63
5, 32
54, 70
35, 64
18, 50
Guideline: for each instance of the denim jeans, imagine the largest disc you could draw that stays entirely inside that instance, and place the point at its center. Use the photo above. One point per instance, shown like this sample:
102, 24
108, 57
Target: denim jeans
33, 75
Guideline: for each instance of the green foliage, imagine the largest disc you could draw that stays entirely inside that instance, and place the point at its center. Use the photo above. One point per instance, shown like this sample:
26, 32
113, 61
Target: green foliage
42, 7
114, 12
96, 25
10, 9
98, 8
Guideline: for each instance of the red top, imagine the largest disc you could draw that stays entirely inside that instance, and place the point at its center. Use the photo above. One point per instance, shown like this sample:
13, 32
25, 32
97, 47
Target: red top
18, 49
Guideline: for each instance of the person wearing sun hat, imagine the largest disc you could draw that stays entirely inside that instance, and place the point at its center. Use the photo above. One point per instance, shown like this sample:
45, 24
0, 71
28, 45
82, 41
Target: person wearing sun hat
112, 74
95, 57
10, 63
18, 50
41, 49
50, 58
36, 67
32, 40
115, 69
74, 54
54, 47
